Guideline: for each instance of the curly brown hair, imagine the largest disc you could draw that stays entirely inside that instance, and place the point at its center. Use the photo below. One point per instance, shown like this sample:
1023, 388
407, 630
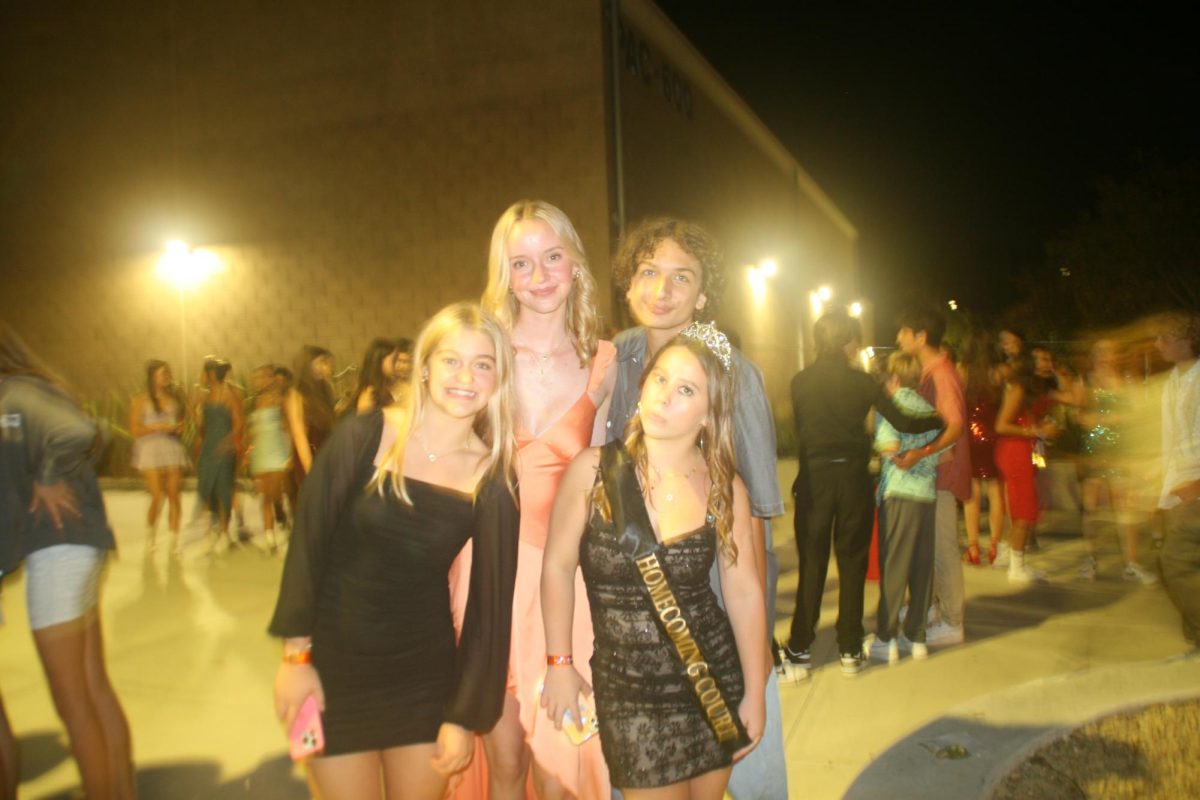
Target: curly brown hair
639, 243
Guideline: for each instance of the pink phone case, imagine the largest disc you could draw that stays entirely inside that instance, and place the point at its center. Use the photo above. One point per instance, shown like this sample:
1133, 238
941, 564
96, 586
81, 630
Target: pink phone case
307, 737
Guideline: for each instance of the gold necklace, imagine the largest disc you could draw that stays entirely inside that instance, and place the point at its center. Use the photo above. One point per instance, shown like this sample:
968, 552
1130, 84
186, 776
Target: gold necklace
654, 484
432, 456
544, 358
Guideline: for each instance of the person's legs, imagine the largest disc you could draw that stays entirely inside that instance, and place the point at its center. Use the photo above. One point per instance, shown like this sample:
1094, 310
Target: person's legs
762, 775
108, 708
995, 496
173, 487
972, 514
814, 528
350, 777
154, 484
947, 563
408, 773
708, 786
61, 649
10, 758
507, 754
853, 518
897, 540
61, 590
920, 570
1180, 560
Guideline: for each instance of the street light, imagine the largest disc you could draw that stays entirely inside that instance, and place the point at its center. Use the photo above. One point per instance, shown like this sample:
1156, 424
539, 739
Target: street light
856, 309
184, 269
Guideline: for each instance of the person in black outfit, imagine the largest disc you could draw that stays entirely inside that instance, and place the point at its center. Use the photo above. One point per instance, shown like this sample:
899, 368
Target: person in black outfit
830, 401
364, 603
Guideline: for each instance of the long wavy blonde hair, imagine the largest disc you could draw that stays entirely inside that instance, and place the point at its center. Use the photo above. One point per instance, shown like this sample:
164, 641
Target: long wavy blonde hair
493, 424
583, 321
715, 442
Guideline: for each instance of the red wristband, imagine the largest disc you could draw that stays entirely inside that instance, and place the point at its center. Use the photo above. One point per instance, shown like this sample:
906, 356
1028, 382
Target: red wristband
559, 661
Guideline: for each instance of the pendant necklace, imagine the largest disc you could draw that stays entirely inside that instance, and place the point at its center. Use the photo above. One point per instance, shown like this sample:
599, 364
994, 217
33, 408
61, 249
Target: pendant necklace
433, 457
543, 358
670, 496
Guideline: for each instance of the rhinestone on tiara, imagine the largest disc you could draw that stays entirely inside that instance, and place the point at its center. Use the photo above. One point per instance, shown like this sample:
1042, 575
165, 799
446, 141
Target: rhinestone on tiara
713, 339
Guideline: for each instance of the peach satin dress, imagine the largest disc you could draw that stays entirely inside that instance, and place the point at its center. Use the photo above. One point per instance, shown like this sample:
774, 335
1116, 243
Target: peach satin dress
540, 464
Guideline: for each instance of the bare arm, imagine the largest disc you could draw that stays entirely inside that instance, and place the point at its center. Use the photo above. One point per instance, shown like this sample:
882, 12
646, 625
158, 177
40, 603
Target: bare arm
600, 426
561, 559
1010, 408
136, 429
366, 401
293, 408
742, 587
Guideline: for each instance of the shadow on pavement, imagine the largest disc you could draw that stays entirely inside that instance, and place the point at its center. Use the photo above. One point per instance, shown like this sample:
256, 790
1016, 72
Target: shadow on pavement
200, 780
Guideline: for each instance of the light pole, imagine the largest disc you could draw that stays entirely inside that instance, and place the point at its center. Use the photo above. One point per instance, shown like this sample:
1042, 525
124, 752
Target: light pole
184, 268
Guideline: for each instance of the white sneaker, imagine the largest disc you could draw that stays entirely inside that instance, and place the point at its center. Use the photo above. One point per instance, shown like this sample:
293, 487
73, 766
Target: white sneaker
1137, 573
943, 633
1024, 575
1088, 570
885, 650
918, 650
1003, 555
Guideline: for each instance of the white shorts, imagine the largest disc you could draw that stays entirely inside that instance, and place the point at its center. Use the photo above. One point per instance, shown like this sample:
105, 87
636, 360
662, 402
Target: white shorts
62, 583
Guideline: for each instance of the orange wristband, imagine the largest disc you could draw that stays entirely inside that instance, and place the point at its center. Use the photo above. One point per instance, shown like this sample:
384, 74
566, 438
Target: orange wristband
298, 656
559, 661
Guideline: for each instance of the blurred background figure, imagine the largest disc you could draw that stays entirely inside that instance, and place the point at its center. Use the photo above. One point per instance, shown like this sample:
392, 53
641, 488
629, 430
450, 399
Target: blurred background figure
1178, 342
270, 447
1107, 411
52, 515
1019, 424
379, 381
309, 407
221, 436
1012, 345
982, 381
156, 421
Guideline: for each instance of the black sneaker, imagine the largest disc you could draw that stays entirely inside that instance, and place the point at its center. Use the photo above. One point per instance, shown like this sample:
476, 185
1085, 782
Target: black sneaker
793, 665
801, 658
852, 663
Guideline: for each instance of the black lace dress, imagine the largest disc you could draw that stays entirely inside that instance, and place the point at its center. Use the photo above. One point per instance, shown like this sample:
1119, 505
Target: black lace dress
652, 730
366, 578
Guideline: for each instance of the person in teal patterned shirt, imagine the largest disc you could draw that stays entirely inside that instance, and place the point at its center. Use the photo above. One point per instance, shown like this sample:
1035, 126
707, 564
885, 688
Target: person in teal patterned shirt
906, 519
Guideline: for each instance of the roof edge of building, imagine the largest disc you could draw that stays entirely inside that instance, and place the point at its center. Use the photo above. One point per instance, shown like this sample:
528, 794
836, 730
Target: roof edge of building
656, 26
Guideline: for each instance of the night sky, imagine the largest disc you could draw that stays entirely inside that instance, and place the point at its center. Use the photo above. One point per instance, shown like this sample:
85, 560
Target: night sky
959, 141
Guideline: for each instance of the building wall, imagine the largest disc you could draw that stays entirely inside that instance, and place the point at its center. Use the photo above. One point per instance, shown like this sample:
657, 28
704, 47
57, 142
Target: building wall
691, 148
346, 162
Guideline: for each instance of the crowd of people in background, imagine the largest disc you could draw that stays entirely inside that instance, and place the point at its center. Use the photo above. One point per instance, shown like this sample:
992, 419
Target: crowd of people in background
524, 558
1017, 426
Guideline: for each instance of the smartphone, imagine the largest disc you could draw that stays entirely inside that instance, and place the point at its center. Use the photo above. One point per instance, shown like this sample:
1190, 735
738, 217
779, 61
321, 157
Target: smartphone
576, 733
307, 738
588, 727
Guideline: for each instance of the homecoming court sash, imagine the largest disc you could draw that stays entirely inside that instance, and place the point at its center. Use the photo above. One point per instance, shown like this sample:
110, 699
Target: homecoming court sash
636, 538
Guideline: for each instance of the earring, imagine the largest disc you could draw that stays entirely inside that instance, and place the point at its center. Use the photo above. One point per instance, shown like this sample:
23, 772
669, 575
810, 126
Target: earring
575, 273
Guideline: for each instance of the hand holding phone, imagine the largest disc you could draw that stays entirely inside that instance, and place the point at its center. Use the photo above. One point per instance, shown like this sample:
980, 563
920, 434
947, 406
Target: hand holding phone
307, 737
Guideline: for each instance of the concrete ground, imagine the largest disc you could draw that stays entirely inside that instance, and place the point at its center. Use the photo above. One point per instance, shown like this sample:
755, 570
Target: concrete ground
189, 656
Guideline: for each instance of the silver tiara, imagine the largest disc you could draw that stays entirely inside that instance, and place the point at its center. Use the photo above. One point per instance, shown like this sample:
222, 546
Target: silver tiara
713, 339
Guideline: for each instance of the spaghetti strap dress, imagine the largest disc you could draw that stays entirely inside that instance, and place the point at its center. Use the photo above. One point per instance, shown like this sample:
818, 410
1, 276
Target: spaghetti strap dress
541, 461
217, 464
365, 577
652, 729
159, 450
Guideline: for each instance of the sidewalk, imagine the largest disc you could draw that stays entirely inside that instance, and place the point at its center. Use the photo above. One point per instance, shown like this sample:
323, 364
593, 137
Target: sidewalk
190, 658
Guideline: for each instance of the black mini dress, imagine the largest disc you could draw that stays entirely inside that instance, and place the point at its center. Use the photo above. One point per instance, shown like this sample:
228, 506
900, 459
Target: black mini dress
366, 578
652, 730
